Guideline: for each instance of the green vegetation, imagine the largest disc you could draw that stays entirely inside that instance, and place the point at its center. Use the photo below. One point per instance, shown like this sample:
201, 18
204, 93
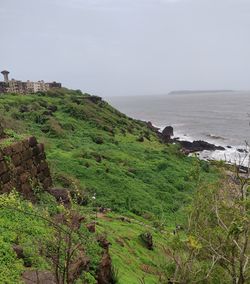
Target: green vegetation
113, 161
93, 146
40, 237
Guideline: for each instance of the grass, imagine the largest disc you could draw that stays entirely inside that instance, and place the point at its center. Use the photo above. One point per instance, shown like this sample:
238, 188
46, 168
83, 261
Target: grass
96, 146
93, 148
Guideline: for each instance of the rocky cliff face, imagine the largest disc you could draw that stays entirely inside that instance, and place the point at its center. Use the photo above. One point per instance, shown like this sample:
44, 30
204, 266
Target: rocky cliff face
23, 166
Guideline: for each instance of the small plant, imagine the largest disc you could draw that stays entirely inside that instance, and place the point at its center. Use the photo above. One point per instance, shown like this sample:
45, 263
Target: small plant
114, 275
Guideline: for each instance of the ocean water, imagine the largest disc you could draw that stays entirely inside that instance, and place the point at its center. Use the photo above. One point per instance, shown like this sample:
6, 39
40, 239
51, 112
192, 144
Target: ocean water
221, 118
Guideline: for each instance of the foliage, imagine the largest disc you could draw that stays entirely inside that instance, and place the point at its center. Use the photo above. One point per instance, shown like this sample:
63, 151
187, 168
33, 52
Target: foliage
93, 150
215, 248
47, 244
90, 142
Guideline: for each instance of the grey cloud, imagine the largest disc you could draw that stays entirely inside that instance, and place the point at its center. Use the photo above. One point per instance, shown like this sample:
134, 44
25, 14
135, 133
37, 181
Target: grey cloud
125, 47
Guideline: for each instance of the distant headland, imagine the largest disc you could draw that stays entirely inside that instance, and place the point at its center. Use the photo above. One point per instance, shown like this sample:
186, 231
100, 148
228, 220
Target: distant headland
199, 91
19, 87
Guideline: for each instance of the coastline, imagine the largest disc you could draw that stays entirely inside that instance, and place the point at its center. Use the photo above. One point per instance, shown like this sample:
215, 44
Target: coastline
231, 154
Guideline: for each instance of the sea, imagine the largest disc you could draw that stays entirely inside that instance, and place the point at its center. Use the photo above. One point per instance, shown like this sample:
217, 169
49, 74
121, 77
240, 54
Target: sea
218, 117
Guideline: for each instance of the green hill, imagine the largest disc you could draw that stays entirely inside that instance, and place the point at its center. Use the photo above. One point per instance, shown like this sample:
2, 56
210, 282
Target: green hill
95, 147
99, 152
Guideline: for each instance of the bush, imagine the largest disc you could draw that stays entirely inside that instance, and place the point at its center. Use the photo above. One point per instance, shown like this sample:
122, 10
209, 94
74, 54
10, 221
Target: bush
98, 139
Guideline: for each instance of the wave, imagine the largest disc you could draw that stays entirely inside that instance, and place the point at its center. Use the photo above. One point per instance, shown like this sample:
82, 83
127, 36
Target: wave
216, 137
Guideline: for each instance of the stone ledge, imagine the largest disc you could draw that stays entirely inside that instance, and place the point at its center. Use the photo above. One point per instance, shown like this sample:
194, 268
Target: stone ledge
23, 165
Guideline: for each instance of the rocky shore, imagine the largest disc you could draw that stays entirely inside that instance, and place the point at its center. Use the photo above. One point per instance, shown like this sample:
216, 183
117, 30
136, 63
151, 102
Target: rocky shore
199, 146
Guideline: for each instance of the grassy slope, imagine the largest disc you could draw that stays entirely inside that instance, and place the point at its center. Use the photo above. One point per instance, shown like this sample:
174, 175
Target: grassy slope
133, 176
147, 178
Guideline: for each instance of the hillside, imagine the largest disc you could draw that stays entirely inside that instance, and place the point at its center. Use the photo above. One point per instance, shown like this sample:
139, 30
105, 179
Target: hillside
94, 146
113, 163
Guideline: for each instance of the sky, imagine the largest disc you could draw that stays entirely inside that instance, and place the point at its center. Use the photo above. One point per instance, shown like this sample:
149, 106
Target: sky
128, 47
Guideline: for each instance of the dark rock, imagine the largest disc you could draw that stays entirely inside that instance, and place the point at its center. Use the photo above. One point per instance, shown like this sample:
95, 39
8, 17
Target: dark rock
23, 108
105, 269
41, 277
147, 239
5, 177
91, 227
19, 251
124, 219
229, 147
198, 146
77, 267
103, 210
168, 130
109, 129
167, 133
104, 275
52, 108
48, 113
242, 150
32, 141
94, 99
103, 242
98, 140
98, 158
62, 195
140, 139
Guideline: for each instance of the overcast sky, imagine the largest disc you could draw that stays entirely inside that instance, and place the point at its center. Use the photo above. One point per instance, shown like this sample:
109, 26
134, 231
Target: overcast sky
128, 47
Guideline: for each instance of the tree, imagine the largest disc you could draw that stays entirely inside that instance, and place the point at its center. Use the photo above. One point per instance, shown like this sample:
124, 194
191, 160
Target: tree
217, 235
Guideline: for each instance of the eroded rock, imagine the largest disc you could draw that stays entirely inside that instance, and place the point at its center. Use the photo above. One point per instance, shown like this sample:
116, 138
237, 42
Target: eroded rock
147, 240
41, 277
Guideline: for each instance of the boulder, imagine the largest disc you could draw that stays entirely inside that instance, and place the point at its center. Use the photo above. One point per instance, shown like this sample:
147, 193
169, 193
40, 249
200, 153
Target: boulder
103, 242
48, 113
140, 139
52, 108
23, 108
77, 267
32, 141
61, 195
198, 146
147, 240
91, 227
41, 277
19, 251
242, 150
167, 133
